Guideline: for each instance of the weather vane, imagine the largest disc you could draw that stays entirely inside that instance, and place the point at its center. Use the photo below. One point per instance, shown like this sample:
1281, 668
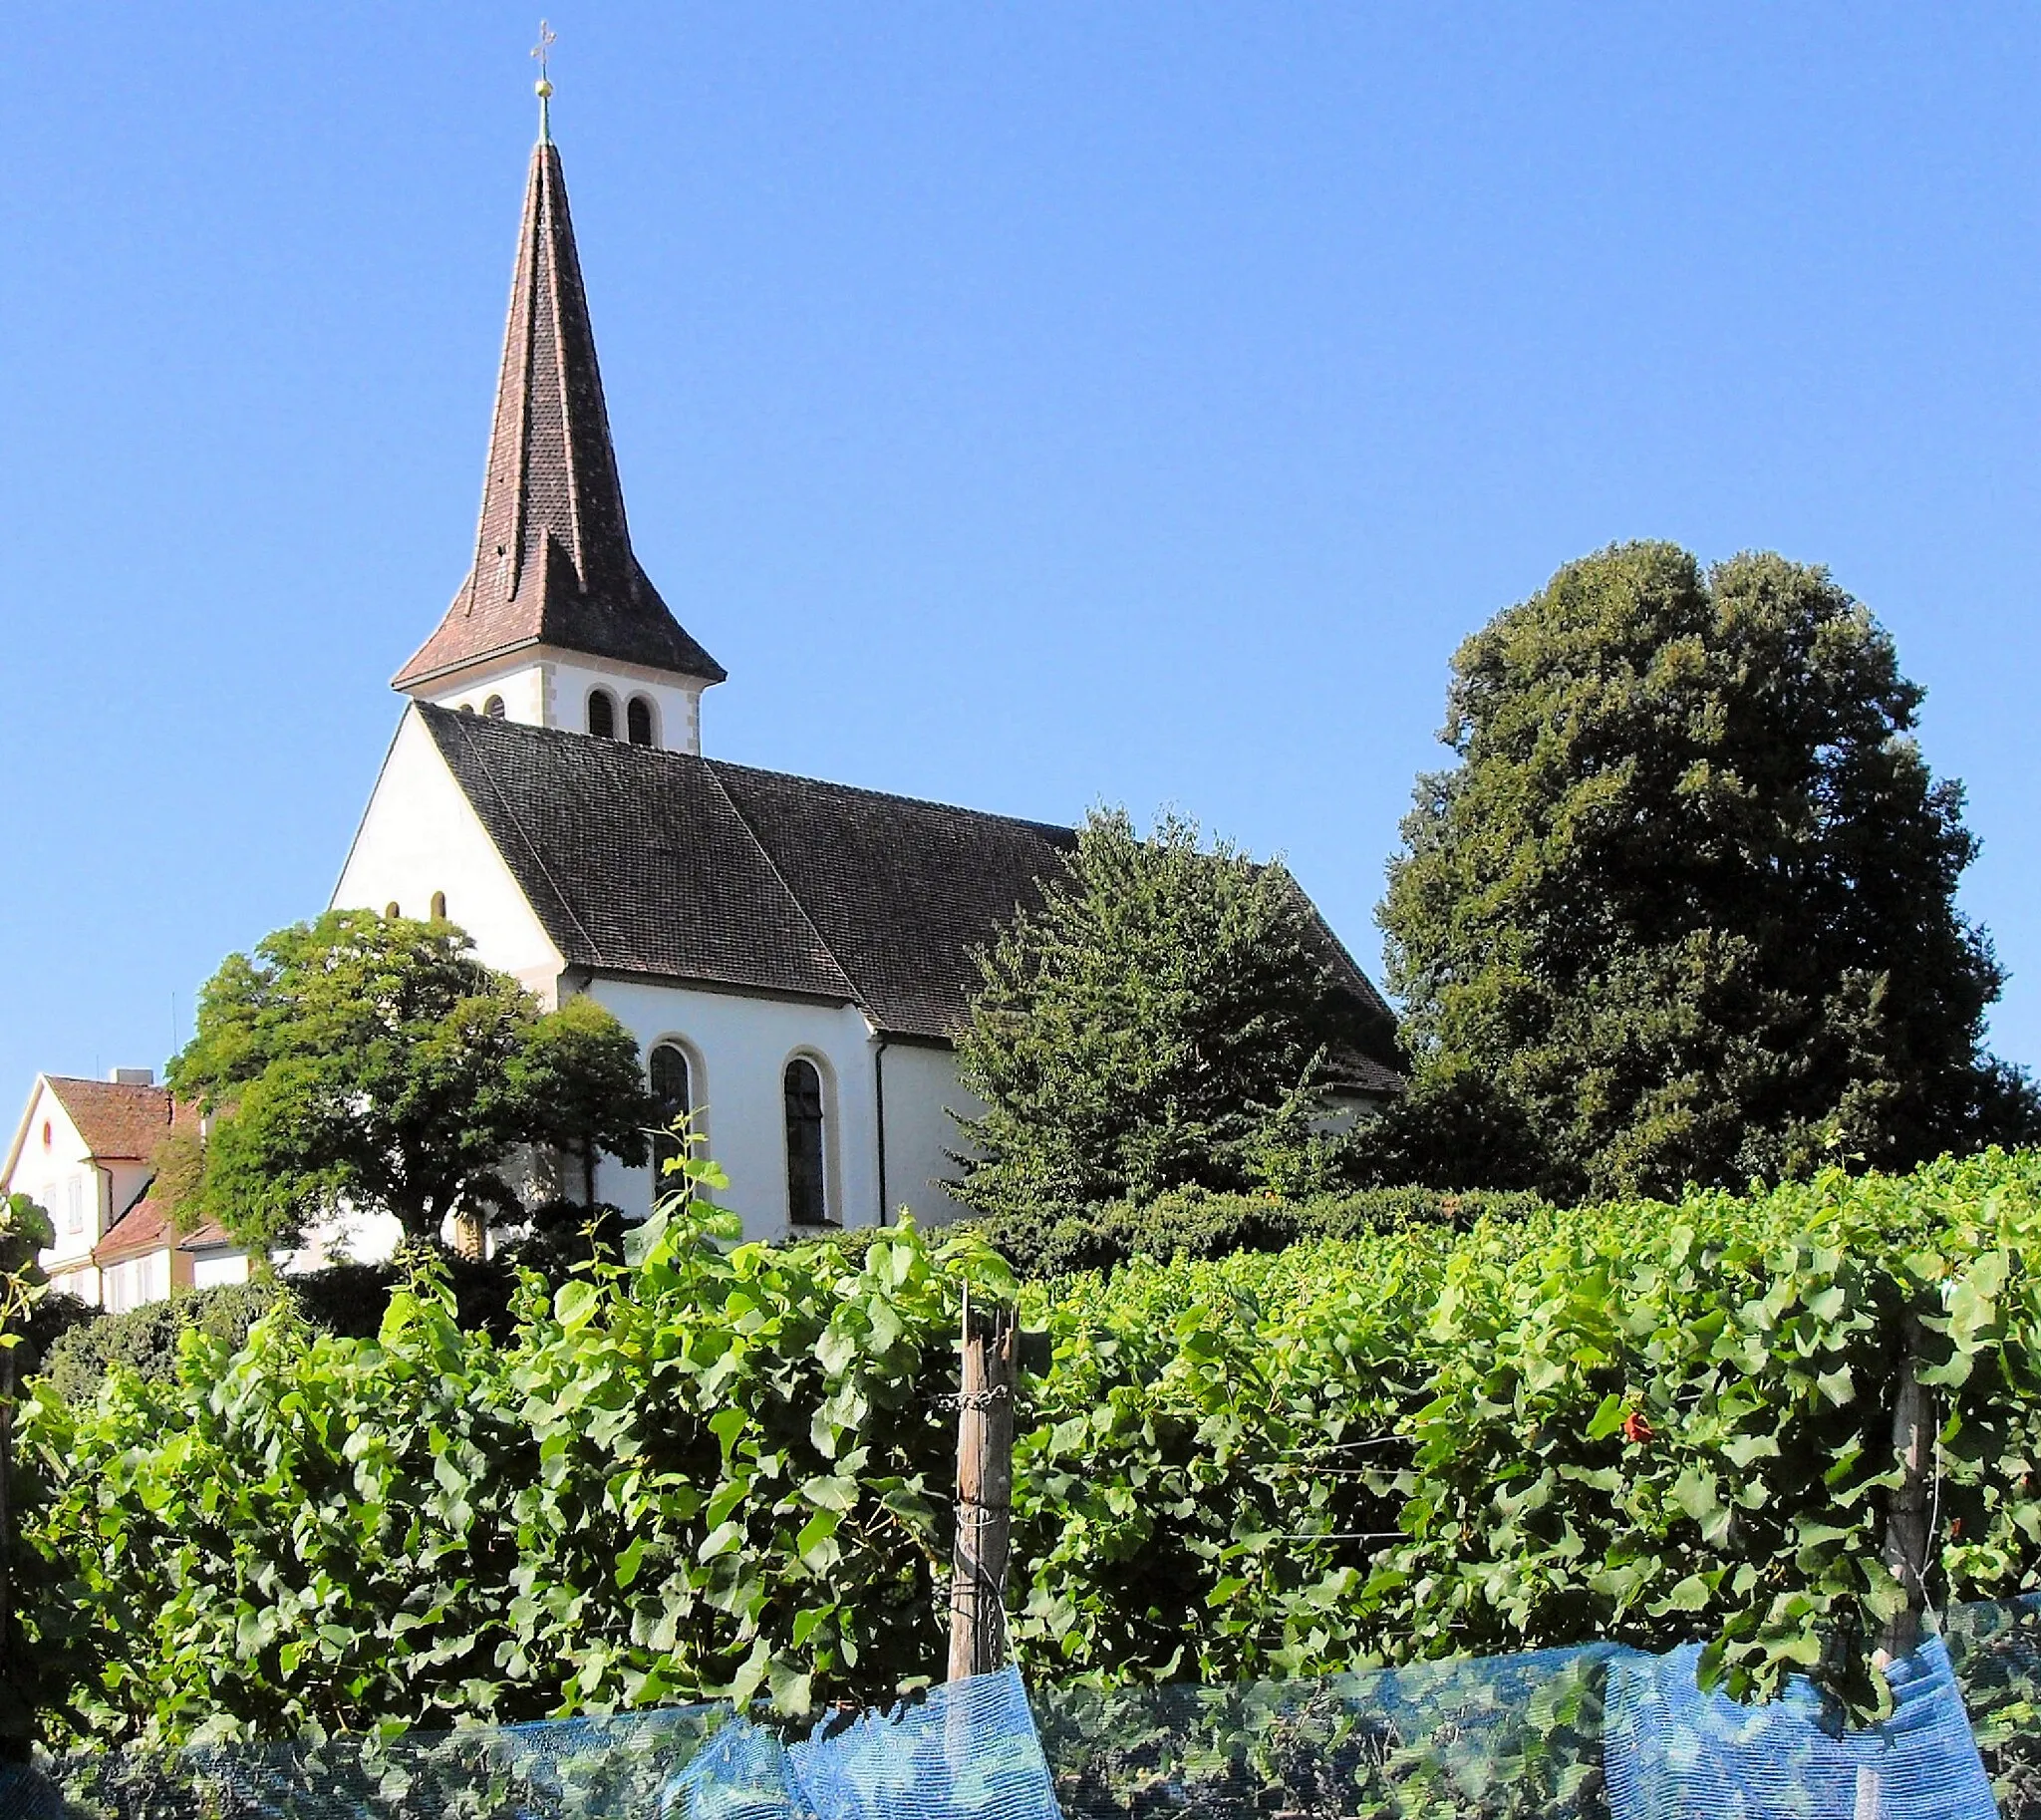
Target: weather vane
543, 88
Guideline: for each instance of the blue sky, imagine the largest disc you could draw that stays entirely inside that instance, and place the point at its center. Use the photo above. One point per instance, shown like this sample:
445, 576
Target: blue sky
1031, 404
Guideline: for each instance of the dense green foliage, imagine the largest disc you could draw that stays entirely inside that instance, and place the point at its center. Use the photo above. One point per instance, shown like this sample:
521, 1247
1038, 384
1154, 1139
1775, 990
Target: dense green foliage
1200, 1223
25, 1229
347, 1300
1165, 1018
727, 1471
1684, 908
367, 1063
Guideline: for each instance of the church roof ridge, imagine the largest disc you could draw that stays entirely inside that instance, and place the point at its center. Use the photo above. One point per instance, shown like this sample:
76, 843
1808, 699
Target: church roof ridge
553, 562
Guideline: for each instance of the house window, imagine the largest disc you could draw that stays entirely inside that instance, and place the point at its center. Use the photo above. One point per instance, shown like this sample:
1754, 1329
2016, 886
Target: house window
46, 1134
438, 906
808, 1201
639, 714
671, 1092
602, 714
494, 707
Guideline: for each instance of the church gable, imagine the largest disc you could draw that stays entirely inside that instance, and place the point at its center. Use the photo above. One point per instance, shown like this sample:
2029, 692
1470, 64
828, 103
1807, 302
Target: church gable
423, 850
634, 858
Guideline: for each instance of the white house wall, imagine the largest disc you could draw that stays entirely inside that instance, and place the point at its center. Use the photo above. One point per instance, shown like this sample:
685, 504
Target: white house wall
62, 1179
418, 835
921, 1093
738, 1050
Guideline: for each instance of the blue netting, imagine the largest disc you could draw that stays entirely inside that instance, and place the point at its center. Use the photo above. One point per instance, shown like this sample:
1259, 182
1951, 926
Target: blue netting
1673, 1752
967, 1752
1596, 1733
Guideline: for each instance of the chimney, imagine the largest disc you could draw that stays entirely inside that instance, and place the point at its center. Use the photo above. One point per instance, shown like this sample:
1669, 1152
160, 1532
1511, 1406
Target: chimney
133, 1077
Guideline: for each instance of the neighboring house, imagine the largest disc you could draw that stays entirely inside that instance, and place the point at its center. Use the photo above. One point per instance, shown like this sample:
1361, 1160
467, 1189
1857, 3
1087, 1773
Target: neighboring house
86, 1152
792, 956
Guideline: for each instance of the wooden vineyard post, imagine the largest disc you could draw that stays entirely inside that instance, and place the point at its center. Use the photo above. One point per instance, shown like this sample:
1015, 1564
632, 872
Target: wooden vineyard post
14, 1740
984, 1489
1907, 1537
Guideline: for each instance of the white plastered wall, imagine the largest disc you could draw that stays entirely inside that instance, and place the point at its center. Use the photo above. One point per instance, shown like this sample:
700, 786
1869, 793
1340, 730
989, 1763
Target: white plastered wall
675, 702
419, 835
544, 687
62, 1179
921, 1091
739, 1048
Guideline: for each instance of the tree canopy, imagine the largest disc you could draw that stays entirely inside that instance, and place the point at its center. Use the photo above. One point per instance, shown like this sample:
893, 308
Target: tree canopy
1684, 909
364, 1064
1163, 1019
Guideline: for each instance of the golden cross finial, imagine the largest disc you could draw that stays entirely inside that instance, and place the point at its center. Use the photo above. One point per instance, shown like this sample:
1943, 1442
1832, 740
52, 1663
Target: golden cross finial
543, 88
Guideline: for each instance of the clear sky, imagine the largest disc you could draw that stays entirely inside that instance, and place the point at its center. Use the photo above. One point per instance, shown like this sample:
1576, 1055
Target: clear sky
1031, 403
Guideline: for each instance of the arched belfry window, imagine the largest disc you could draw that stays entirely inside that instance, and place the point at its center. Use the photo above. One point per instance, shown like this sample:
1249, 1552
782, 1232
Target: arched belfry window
807, 1195
438, 906
672, 1092
494, 707
602, 714
639, 716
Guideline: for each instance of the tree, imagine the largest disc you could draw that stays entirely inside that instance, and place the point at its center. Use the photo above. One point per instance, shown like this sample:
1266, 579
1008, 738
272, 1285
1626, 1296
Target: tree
363, 1064
1683, 910
1162, 1019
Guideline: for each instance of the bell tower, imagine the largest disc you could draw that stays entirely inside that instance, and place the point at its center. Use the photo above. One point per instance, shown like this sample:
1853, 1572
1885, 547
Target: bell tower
556, 624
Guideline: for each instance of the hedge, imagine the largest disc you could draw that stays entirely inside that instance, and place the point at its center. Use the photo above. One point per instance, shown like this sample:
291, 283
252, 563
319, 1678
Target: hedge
349, 1300
1196, 1222
726, 1471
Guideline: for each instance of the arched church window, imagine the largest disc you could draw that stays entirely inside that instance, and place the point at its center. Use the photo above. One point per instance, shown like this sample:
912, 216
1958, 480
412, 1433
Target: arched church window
392, 911
494, 707
467, 708
639, 716
438, 906
671, 1093
602, 714
807, 1198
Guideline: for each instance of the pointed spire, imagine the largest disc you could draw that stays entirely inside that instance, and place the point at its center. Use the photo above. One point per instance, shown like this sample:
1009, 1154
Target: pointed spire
553, 561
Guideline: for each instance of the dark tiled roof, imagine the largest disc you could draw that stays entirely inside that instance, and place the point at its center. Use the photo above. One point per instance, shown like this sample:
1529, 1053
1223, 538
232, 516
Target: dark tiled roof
659, 862
118, 1122
902, 891
553, 562
635, 859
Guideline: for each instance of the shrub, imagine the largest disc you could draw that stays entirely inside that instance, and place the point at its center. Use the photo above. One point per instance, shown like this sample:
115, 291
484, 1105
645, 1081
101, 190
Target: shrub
1198, 1223
347, 1300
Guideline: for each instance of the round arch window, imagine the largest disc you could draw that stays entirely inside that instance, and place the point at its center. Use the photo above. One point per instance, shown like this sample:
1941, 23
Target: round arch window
639, 716
673, 1093
808, 1186
602, 714
494, 707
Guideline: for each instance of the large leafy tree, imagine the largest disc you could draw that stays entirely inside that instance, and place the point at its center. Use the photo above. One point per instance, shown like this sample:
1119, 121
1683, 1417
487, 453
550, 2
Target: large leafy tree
363, 1063
1164, 1018
1684, 909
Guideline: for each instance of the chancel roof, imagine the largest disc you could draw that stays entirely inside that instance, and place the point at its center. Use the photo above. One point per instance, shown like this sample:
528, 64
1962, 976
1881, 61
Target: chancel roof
642, 861
553, 563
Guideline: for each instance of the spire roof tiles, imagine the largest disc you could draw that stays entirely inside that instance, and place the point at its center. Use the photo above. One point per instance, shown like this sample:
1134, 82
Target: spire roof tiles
553, 561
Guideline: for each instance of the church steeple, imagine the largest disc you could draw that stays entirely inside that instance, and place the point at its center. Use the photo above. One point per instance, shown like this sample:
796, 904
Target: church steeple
554, 573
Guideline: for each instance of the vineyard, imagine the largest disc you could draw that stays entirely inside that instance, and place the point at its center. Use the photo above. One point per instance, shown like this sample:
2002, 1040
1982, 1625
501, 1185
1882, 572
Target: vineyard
727, 1470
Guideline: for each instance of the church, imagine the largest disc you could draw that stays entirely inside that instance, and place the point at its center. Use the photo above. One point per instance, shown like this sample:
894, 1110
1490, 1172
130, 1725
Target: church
792, 956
